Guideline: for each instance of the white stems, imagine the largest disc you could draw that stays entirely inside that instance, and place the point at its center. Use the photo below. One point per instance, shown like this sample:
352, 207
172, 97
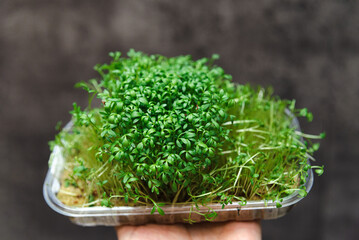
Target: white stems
308, 135
252, 130
239, 122
239, 172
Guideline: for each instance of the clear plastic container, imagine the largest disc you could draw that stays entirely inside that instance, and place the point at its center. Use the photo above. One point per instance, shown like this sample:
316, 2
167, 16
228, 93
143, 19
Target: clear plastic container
94, 216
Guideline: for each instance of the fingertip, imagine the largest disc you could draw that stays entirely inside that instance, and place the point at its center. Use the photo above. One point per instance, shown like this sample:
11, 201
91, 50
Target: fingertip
242, 230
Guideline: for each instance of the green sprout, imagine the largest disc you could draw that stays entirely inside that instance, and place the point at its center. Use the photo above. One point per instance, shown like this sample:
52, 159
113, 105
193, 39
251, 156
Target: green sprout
176, 130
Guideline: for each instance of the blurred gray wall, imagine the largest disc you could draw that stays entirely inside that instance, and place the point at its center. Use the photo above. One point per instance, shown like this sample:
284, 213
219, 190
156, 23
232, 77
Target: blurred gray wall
307, 50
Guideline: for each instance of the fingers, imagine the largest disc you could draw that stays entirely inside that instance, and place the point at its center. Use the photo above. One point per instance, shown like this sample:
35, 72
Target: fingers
242, 230
221, 231
152, 231
124, 232
226, 230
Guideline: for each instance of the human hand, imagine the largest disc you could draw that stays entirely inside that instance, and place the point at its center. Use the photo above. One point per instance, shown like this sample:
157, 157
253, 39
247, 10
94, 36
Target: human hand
222, 231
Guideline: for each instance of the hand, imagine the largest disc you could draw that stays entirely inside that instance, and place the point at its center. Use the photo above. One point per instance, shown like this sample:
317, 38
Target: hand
222, 231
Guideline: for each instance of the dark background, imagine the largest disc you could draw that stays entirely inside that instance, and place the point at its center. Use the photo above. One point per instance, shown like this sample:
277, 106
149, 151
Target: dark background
307, 50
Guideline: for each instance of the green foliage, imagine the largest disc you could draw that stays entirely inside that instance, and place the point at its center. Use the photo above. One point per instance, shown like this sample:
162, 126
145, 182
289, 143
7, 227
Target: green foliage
177, 130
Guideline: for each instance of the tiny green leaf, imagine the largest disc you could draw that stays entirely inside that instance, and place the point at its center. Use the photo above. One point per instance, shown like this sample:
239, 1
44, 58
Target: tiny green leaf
153, 210
174, 186
160, 211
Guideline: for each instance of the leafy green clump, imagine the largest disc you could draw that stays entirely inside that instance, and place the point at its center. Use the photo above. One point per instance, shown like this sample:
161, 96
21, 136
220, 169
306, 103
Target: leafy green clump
175, 130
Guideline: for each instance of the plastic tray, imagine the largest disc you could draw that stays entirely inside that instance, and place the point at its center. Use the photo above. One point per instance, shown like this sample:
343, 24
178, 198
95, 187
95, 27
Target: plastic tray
94, 216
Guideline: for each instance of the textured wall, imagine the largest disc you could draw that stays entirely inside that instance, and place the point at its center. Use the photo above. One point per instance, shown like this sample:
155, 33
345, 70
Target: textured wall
307, 50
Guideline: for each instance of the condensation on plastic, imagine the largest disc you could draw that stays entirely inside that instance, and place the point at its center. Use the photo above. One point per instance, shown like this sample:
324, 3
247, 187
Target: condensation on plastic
115, 216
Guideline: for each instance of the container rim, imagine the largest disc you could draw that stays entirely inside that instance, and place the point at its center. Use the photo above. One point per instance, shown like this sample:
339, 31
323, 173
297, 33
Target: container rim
58, 206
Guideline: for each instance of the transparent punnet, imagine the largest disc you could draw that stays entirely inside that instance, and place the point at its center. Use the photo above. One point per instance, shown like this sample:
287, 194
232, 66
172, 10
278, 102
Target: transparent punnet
176, 213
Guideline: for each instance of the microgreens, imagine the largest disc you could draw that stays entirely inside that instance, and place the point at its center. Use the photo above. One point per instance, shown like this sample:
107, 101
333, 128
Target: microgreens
175, 130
